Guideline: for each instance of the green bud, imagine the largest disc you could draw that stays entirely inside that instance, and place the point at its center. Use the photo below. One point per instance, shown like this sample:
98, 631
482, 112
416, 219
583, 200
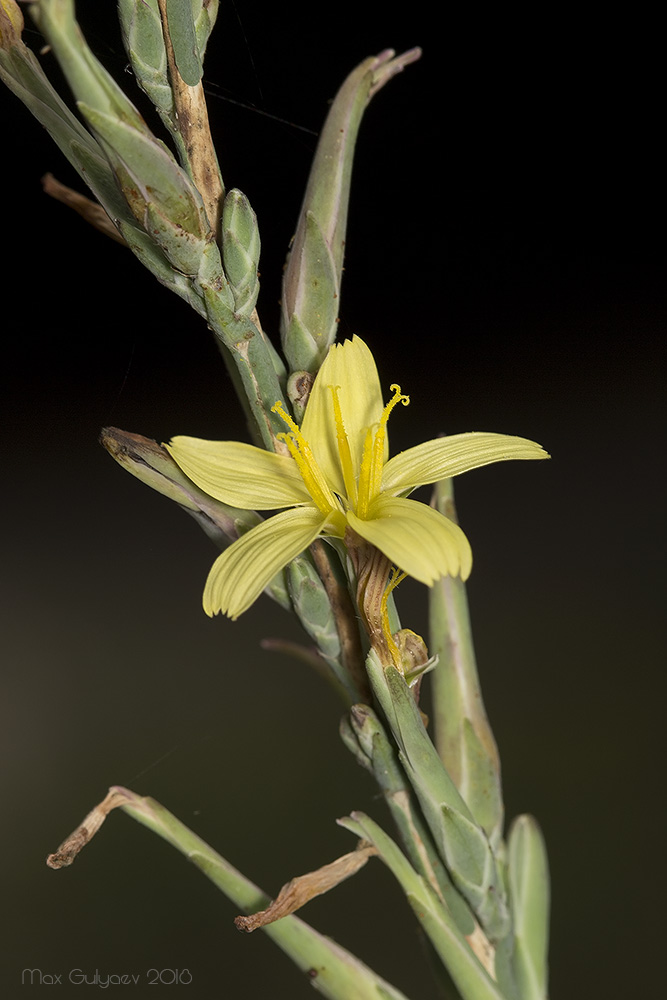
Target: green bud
160, 194
240, 250
143, 38
190, 26
313, 313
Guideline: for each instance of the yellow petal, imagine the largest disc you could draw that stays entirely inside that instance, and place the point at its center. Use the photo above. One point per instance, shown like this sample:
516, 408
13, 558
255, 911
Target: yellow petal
416, 538
241, 573
350, 366
450, 456
240, 474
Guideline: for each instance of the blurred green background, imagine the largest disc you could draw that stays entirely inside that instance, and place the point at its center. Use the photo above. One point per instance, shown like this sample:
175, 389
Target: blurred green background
506, 263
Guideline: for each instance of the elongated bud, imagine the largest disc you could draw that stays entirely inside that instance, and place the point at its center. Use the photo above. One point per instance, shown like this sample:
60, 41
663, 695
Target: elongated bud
161, 196
528, 872
311, 283
240, 250
143, 38
153, 465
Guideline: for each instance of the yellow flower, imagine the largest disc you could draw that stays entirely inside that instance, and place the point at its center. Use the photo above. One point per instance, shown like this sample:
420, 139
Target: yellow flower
337, 475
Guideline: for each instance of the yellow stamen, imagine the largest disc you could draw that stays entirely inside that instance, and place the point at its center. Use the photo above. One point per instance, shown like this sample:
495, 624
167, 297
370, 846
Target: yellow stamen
370, 475
344, 451
396, 577
310, 471
364, 475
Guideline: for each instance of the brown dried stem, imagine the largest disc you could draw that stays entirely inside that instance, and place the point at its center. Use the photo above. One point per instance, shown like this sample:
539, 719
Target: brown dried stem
77, 840
299, 891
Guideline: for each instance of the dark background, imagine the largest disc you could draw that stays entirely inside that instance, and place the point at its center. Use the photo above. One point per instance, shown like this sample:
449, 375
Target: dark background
506, 262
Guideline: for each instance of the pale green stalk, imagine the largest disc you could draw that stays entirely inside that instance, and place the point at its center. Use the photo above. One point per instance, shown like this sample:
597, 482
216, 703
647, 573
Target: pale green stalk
462, 844
471, 978
366, 738
331, 970
462, 732
468, 750
529, 901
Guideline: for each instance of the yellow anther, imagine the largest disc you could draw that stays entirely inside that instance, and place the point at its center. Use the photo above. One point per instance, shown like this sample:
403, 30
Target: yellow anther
302, 454
285, 417
370, 475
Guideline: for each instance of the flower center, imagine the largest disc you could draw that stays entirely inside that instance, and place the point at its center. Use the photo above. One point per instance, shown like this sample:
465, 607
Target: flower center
358, 493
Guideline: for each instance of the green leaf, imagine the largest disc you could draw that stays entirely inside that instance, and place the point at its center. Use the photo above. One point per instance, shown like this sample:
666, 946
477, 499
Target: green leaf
183, 38
333, 971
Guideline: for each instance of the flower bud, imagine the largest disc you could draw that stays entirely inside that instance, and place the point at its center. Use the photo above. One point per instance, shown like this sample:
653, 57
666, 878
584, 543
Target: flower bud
240, 250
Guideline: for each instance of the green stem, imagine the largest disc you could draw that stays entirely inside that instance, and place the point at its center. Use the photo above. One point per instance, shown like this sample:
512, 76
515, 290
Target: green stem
461, 730
332, 971
472, 979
